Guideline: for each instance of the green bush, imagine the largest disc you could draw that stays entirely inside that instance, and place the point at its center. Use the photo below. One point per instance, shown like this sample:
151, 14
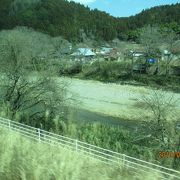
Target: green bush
105, 70
70, 68
91, 70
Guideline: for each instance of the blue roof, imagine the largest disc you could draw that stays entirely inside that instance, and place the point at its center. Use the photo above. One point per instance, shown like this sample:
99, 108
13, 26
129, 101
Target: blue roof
151, 60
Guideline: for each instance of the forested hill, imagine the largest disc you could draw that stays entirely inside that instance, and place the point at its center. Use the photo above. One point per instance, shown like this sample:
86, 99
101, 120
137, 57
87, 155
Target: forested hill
74, 21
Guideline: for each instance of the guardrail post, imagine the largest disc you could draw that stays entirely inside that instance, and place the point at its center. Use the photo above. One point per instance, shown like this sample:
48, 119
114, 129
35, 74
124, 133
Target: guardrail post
124, 160
9, 124
39, 134
76, 145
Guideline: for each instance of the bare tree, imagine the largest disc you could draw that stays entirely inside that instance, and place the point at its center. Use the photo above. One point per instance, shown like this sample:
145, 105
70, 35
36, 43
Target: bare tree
161, 105
169, 37
151, 37
25, 91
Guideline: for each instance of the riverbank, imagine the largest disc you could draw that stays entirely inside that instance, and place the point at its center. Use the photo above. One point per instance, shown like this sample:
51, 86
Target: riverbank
114, 100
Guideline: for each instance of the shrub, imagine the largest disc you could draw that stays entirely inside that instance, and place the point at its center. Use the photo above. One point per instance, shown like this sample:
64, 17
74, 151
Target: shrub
70, 68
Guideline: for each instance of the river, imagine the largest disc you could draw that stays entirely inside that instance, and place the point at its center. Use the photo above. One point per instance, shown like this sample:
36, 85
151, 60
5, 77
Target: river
111, 102
85, 116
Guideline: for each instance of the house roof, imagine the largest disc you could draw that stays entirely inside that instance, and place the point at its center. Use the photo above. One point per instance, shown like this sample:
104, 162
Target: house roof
166, 52
83, 52
105, 50
137, 53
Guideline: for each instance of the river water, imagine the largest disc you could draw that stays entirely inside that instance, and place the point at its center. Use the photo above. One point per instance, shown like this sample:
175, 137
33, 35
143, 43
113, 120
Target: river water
85, 116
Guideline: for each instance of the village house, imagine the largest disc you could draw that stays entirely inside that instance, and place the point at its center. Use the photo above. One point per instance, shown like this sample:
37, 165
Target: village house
103, 51
138, 54
83, 54
108, 53
113, 55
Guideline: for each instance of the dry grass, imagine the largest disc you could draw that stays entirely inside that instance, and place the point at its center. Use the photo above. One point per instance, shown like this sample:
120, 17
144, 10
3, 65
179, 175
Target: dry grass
24, 159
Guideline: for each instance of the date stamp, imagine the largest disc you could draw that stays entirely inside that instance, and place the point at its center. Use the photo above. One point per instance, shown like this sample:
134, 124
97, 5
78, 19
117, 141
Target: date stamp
167, 154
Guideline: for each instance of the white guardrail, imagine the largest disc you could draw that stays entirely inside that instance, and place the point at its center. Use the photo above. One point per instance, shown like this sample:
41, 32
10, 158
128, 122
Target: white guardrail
104, 155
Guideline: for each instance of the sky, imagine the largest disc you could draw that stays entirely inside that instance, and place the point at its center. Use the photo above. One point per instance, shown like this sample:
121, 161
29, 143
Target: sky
124, 8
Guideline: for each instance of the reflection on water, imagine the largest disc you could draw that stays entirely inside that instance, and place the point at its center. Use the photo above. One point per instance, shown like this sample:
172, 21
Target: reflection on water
83, 116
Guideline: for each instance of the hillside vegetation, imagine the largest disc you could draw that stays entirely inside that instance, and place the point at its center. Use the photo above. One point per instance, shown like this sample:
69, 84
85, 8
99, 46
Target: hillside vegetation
76, 22
24, 159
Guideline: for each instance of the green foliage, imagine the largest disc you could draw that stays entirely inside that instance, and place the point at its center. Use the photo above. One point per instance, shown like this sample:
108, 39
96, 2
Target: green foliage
113, 138
109, 71
70, 19
71, 68
105, 70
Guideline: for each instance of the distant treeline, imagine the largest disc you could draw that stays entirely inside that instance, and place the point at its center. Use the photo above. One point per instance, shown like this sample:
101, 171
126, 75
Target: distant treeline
75, 22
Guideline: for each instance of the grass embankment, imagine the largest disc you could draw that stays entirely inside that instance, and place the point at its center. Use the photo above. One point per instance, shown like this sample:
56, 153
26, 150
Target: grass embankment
120, 72
21, 158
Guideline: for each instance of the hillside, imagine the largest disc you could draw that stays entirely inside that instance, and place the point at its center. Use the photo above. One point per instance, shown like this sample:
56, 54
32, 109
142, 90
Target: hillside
76, 22
164, 16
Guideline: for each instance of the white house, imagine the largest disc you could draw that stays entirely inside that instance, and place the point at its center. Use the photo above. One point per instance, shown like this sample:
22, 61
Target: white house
137, 53
84, 52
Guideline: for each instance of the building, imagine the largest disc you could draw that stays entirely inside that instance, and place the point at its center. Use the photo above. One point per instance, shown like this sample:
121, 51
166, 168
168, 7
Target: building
105, 51
83, 52
137, 54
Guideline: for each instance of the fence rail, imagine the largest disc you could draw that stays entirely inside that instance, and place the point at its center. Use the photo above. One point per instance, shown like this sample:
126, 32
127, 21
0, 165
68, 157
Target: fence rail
104, 155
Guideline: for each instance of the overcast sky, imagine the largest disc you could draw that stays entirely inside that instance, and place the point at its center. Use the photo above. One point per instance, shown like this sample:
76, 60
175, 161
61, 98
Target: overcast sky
124, 8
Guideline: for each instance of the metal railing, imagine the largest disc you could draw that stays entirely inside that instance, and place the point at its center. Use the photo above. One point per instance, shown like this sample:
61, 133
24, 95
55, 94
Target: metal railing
104, 155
